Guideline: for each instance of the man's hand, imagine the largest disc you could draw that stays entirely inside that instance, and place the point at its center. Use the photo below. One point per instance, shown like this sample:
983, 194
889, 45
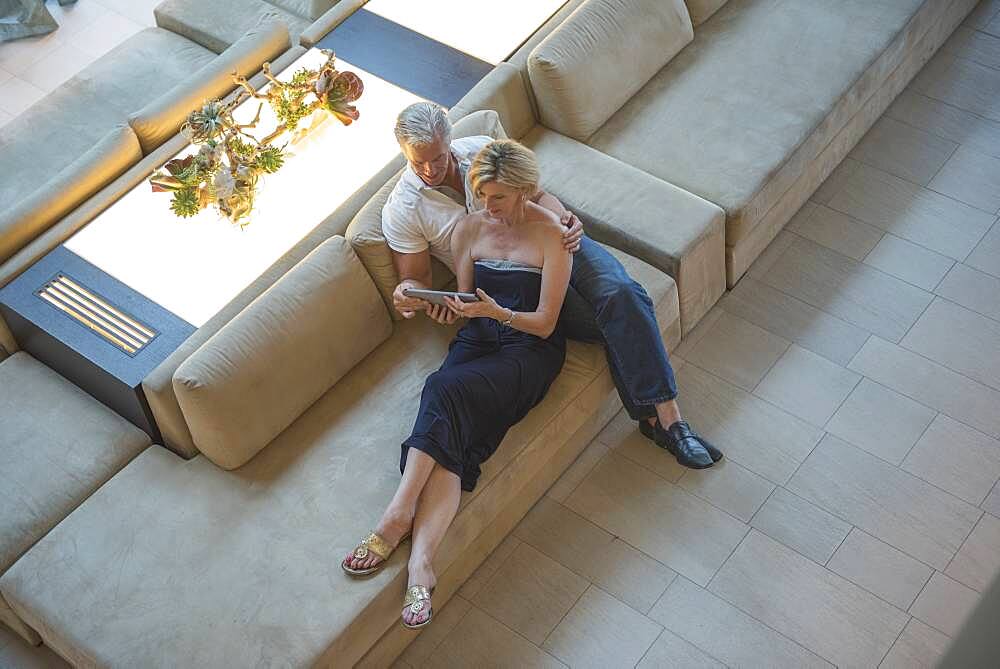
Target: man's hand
573, 233
440, 314
407, 306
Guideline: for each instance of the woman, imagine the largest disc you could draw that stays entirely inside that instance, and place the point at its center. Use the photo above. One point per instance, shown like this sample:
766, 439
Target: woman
498, 367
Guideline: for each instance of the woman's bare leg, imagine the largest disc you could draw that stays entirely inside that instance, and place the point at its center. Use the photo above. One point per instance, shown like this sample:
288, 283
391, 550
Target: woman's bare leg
398, 516
436, 509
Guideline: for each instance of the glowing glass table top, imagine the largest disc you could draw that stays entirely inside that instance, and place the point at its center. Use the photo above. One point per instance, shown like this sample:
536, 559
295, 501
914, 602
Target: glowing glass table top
484, 29
193, 267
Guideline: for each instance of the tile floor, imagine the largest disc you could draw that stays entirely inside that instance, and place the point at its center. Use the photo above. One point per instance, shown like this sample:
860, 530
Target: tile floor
853, 379
838, 531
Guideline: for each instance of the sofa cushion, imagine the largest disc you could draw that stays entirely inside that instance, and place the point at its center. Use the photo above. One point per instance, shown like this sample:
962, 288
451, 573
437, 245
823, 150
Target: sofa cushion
57, 446
701, 10
365, 231
68, 122
589, 66
64, 190
503, 91
307, 9
217, 25
239, 569
161, 118
738, 115
257, 374
677, 232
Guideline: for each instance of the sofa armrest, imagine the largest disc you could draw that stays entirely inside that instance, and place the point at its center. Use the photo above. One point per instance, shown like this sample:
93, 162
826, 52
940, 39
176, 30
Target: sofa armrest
620, 205
332, 18
502, 90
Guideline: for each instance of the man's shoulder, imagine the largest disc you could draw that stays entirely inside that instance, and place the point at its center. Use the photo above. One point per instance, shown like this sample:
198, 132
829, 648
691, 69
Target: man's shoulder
404, 197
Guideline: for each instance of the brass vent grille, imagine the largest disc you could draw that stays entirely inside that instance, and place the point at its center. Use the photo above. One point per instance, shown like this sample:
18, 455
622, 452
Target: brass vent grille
97, 314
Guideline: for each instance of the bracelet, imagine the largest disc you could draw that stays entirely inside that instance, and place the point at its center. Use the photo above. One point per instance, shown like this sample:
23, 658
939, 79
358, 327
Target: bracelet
510, 320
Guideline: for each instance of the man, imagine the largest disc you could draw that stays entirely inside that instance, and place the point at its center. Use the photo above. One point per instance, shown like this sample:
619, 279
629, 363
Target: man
604, 305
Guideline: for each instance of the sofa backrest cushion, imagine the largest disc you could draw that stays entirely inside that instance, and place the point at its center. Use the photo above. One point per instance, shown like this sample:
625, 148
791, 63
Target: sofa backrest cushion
307, 9
589, 66
365, 231
701, 10
264, 368
26, 219
502, 90
161, 118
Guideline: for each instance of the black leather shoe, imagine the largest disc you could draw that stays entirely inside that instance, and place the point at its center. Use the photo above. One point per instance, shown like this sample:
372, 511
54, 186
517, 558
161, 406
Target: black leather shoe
691, 449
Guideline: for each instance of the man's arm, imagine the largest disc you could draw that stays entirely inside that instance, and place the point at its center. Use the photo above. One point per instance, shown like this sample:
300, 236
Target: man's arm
414, 270
574, 228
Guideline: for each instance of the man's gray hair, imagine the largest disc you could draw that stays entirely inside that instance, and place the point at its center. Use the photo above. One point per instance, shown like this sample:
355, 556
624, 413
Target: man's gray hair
421, 123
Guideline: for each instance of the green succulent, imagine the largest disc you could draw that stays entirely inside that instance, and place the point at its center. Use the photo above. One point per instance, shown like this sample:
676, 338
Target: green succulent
270, 159
185, 202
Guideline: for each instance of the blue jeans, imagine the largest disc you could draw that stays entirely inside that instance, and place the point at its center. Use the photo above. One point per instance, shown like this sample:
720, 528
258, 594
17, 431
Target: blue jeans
605, 305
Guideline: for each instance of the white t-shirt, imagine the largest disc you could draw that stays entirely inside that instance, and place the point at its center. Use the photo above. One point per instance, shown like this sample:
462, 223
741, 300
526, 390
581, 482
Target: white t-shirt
416, 216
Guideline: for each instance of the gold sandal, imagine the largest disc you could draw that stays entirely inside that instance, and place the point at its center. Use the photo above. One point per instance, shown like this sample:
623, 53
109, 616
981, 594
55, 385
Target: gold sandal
373, 543
418, 597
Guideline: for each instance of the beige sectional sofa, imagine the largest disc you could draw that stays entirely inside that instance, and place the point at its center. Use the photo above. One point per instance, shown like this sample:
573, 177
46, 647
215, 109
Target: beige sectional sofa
290, 416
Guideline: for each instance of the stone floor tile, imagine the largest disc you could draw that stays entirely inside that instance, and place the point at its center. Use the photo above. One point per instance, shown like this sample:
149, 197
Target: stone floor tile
972, 289
576, 543
837, 231
960, 339
600, 631
934, 221
670, 650
986, 256
140, 11
978, 562
52, 71
481, 641
956, 458
944, 604
725, 632
960, 82
845, 288
660, 519
754, 433
577, 471
881, 421
880, 569
822, 611
974, 45
910, 262
890, 504
20, 54
930, 383
807, 385
78, 17
835, 181
446, 619
737, 351
115, 29
992, 502
946, 121
730, 487
903, 150
15, 652
793, 319
489, 567
778, 245
971, 177
530, 593
918, 647
622, 435
693, 337
801, 525
5, 118
16, 95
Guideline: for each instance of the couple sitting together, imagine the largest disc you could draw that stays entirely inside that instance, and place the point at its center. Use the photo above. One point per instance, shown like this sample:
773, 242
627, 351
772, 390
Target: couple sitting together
475, 204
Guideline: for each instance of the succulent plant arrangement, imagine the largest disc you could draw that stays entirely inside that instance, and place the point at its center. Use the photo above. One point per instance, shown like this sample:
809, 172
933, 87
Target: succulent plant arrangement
226, 169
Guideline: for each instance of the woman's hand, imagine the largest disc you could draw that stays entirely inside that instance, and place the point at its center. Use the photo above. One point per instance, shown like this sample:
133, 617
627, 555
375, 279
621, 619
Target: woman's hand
486, 307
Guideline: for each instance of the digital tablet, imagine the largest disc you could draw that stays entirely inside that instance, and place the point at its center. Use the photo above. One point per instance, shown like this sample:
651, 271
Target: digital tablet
437, 296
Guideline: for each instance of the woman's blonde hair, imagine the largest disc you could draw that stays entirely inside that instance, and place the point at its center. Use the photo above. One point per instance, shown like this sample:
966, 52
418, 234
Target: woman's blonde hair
507, 162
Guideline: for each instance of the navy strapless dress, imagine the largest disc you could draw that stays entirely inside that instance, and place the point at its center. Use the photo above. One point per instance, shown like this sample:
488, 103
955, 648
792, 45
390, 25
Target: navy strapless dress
492, 377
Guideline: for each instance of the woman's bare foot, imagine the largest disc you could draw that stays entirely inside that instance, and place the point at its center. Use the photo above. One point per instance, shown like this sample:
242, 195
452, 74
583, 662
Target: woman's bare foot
393, 526
421, 573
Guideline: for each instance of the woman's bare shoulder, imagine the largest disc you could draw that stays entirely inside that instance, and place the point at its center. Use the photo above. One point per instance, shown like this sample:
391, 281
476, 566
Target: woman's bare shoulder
546, 223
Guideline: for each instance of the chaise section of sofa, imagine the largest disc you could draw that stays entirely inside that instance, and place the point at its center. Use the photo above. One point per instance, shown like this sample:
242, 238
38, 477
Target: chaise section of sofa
238, 568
